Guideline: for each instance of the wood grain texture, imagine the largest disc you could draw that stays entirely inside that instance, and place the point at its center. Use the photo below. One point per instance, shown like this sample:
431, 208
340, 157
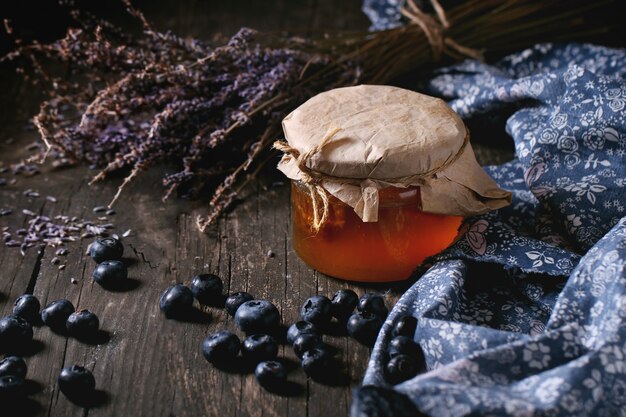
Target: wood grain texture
152, 366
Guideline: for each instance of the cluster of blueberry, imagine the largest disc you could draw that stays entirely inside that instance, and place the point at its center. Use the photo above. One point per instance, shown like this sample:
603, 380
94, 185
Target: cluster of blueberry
406, 358
16, 330
111, 272
260, 321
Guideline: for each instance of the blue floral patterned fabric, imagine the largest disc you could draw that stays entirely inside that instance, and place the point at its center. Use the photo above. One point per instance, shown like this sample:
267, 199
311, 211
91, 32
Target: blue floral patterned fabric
525, 314
383, 14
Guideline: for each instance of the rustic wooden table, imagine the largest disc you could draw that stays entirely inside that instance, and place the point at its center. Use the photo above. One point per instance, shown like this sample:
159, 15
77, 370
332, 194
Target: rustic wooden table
152, 366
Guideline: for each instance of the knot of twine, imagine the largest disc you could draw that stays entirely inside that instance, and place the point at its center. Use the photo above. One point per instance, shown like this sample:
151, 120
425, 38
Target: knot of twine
312, 179
434, 29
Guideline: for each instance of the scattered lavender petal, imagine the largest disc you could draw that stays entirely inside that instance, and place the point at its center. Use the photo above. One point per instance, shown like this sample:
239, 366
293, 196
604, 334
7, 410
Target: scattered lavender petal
55, 261
99, 209
5, 212
51, 199
30, 193
28, 212
127, 233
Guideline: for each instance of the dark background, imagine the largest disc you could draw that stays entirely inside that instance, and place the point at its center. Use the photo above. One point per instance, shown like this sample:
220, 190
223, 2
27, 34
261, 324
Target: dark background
46, 20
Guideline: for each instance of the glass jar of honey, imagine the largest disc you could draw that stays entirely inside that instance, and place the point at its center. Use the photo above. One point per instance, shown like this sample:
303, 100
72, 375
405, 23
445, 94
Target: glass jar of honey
386, 250
381, 179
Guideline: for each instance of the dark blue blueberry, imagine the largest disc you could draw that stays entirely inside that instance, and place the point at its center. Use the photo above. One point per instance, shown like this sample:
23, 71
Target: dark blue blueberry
317, 310
222, 346
233, 301
364, 327
405, 326
106, 249
11, 387
374, 304
15, 333
305, 342
55, 314
259, 347
110, 274
270, 374
343, 304
207, 288
82, 323
76, 382
27, 307
176, 301
298, 328
257, 316
402, 345
400, 368
317, 361
14, 366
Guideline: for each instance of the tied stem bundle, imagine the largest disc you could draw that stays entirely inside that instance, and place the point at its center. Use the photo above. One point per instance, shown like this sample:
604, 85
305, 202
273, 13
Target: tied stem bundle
434, 30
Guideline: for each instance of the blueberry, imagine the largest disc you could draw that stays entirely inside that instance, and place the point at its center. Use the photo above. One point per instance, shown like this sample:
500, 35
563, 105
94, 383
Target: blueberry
402, 345
405, 326
76, 382
56, 313
364, 327
176, 301
305, 342
82, 323
343, 304
222, 346
11, 387
110, 274
374, 304
233, 301
27, 307
14, 366
301, 327
317, 361
257, 316
207, 288
400, 368
107, 249
259, 347
270, 374
15, 333
317, 310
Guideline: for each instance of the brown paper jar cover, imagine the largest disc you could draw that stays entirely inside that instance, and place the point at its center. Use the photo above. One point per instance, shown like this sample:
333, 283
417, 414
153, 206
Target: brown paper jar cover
360, 139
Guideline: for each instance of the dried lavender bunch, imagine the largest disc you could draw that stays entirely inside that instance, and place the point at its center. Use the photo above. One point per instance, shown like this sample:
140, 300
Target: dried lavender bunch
133, 102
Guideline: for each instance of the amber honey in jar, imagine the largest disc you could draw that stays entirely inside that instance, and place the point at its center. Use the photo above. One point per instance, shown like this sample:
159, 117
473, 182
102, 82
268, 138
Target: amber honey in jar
381, 179
386, 250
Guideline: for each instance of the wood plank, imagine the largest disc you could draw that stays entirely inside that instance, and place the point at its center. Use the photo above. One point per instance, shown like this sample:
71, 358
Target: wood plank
153, 366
